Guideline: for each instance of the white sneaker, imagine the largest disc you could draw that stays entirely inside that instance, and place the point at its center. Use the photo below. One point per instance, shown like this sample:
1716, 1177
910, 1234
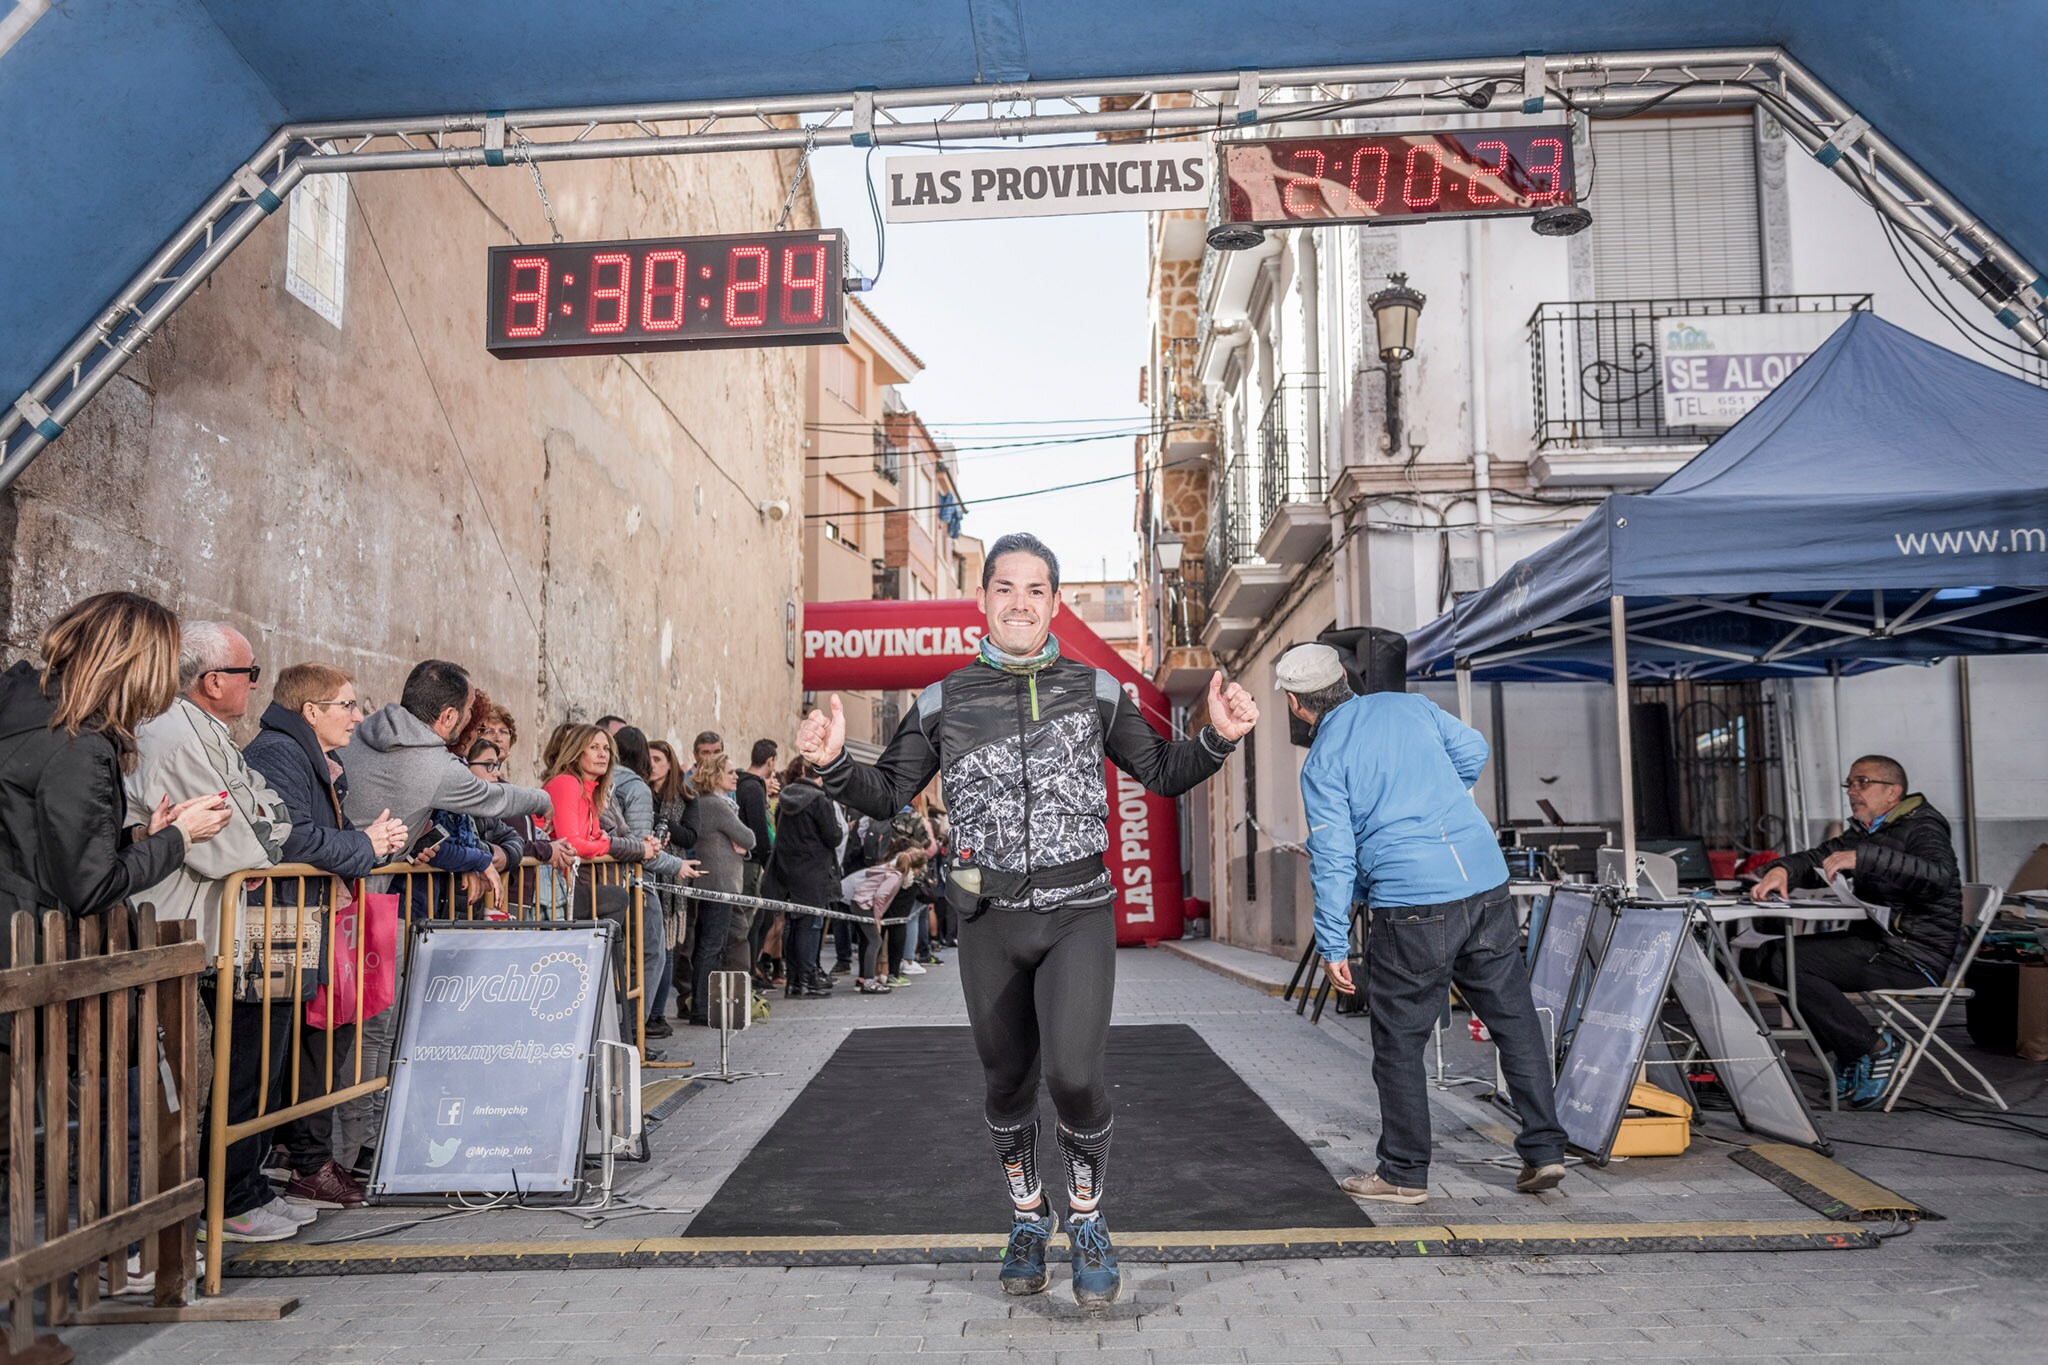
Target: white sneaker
294, 1211
257, 1225
142, 1285
913, 969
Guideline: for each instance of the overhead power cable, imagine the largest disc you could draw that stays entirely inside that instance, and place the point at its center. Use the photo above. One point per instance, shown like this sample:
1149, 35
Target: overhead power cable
997, 497
1989, 344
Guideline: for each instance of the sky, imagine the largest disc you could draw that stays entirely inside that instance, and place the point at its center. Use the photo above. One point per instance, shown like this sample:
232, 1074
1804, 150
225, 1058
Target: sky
1035, 324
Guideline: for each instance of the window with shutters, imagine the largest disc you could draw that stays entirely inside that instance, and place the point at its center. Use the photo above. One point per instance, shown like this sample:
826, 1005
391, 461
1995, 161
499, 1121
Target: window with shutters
1674, 208
839, 508
1675, 219
845, 376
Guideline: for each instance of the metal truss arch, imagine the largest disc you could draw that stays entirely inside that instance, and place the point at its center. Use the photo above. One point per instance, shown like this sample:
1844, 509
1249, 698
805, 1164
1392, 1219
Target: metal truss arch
1222, 103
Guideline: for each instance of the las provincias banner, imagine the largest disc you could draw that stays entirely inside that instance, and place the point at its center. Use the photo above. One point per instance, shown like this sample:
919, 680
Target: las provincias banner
883, 646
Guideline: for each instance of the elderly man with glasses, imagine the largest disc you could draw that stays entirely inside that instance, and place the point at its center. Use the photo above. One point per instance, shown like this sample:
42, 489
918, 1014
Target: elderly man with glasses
1897, 852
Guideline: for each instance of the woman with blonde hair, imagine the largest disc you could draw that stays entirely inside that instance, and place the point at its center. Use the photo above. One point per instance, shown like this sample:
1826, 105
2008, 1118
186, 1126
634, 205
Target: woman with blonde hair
579, 782
67, 736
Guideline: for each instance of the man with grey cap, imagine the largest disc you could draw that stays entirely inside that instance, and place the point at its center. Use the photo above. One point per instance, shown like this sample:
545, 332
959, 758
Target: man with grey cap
1387, 793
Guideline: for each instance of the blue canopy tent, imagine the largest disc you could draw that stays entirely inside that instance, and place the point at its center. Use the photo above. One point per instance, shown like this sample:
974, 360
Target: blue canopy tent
1886, 504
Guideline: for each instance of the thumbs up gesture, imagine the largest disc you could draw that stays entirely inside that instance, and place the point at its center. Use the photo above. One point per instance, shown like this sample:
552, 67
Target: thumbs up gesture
818, 739
1232, 712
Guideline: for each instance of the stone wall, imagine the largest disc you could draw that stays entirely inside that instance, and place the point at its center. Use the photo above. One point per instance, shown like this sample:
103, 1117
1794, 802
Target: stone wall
583, 533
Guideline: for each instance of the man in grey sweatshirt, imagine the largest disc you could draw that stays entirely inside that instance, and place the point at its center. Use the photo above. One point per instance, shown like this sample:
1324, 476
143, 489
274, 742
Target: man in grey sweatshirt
399, 760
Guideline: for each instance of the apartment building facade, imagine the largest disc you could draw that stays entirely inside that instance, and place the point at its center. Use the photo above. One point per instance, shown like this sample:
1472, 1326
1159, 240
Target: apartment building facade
883, 510
1298, 481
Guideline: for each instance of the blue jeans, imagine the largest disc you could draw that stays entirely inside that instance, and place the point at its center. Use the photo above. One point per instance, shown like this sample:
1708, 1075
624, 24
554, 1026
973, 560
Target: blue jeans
1414, 954
662, 972
801, 941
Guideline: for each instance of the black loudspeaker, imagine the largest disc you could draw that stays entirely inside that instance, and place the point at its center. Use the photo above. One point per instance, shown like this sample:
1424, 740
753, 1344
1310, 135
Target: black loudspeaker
1375, 660
1656, 768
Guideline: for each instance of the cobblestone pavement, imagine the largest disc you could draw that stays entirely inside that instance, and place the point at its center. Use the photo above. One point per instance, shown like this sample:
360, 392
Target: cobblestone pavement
1964, 1289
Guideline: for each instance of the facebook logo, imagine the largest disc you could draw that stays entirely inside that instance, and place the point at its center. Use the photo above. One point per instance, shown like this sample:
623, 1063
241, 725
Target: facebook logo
451, 1113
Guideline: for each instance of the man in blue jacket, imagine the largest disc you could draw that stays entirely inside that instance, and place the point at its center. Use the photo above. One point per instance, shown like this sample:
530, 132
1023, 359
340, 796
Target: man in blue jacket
1387, 792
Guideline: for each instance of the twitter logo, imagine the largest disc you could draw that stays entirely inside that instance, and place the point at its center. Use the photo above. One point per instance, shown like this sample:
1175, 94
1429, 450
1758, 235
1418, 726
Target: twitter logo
441, 1153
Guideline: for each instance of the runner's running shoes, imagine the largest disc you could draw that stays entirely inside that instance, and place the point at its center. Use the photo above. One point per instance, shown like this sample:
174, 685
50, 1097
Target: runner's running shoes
1097, 1281
1024, 1269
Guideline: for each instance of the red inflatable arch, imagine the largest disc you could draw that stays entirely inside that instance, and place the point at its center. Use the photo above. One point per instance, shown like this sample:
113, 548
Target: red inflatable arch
888, 645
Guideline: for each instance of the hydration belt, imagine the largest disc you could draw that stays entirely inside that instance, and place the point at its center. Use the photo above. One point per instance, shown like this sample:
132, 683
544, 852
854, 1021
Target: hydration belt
971, 888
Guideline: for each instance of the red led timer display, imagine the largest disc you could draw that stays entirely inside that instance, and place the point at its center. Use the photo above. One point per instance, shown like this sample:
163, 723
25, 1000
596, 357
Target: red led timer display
1364, 179
667, 294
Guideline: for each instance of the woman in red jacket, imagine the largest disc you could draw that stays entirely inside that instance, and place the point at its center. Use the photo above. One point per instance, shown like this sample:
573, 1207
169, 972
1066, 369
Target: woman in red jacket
579, 782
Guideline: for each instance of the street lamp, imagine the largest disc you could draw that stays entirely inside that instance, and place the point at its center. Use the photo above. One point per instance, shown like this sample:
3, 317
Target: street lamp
1395, 311
1169, 554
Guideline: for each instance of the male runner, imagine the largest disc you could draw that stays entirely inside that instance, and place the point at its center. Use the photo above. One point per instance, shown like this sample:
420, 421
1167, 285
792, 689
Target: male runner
1019, 736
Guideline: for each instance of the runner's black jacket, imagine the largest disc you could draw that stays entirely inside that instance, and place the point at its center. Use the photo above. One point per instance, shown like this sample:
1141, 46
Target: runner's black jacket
1022, 761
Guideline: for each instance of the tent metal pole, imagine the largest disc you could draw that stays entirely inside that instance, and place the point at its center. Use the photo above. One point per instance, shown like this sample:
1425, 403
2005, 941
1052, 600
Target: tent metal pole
1500, 752
1465, 692
1835, 704
1969, 769
1617, 616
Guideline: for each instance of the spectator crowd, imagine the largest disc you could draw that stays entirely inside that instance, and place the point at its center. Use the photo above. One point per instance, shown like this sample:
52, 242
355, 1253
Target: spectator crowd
121, 784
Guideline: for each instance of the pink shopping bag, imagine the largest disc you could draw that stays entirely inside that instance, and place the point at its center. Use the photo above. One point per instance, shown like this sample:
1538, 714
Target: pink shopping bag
375, 918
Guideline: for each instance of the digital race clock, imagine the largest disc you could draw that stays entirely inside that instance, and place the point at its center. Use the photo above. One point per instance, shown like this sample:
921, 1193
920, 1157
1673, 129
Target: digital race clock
1370, 178
667, 294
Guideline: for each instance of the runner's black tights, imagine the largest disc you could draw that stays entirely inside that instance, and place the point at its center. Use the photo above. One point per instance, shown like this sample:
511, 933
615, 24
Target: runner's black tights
1039, 989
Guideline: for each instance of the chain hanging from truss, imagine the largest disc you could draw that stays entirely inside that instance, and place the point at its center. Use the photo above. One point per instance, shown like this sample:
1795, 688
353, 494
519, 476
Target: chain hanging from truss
522, 150
803, 166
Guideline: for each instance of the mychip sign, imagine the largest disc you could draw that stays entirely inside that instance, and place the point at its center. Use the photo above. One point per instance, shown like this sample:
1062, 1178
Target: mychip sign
1715, 369
1039, 182
490, 1075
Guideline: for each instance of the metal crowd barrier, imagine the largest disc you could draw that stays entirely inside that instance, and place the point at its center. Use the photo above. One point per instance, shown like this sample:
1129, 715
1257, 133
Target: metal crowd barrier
273, 953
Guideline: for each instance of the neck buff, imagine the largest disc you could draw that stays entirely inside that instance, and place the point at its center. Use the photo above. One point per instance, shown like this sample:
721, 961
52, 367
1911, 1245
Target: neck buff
1024, 666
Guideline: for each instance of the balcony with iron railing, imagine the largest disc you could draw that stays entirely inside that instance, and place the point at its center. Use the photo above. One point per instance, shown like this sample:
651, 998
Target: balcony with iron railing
1267, 513
1182, 661
1597, 385
888, 457
1233, 522
1292, 484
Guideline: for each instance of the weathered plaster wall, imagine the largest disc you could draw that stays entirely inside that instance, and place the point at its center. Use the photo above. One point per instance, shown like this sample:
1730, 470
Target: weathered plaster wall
259, 465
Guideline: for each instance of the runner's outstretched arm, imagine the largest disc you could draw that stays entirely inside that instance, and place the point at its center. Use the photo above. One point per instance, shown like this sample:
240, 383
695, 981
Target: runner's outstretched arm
1167, 766
900, 773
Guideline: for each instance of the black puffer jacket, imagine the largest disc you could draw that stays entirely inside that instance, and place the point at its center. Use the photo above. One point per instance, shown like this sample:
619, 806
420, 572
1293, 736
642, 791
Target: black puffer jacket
1909, 864
288, 755
805, 868
62, 813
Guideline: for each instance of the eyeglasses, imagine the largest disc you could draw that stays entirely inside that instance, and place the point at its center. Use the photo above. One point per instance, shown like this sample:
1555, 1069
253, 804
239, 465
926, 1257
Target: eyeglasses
1859, 783
255, 672
352, 704
481, 766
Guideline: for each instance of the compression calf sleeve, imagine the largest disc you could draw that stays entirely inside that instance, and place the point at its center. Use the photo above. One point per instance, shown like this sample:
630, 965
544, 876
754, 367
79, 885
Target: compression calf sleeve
1087, 1161
1017, 1149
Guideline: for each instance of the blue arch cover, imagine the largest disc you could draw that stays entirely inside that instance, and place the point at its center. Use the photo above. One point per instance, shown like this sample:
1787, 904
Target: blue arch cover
123, 115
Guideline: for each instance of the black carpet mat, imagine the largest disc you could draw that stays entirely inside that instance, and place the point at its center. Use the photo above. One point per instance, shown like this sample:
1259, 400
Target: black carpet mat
888, 1139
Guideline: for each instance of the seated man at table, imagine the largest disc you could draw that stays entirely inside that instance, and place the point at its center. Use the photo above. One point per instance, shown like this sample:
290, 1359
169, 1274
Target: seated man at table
1896, 853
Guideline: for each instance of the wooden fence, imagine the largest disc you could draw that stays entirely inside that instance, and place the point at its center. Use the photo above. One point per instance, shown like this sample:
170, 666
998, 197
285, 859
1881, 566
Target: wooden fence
102, 1049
